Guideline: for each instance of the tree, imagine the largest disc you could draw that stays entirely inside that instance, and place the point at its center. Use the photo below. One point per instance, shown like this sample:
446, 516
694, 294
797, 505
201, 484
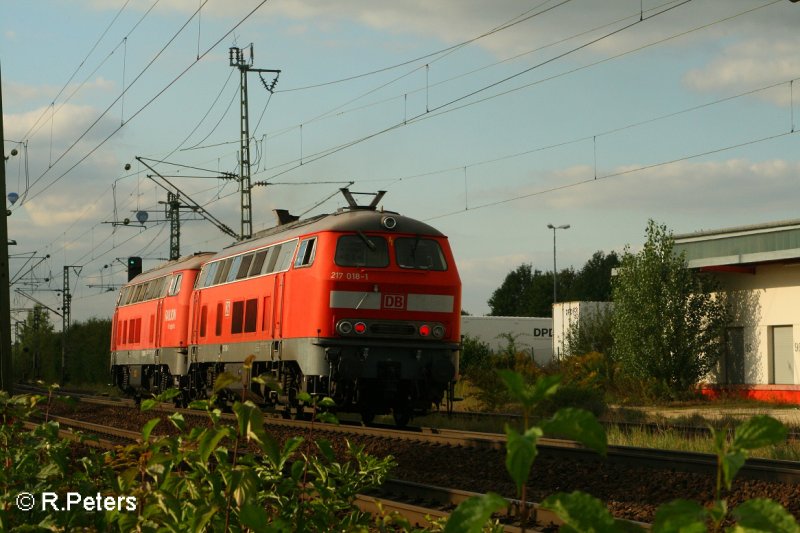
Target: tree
513, 297
36, 349
88, 360
668, 322
593, 282
529, 292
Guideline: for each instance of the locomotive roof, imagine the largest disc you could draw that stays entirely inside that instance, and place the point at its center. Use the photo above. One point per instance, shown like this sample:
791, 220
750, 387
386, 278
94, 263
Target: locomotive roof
344, 220
189, 262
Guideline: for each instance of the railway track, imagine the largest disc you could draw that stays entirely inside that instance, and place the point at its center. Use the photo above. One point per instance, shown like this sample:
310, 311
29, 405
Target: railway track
632, 481
754, 468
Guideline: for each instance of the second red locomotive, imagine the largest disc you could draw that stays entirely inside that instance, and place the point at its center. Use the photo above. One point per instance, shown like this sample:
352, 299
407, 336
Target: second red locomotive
361, 305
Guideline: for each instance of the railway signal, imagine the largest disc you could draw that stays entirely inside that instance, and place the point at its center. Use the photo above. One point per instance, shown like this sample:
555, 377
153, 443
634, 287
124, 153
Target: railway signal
134, 267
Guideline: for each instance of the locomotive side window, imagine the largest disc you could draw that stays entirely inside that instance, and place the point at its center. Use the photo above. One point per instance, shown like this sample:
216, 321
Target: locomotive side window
207, 275
285, 256
233, 269
222, 271
250, 315
203, 320
175, 286
218, 328
244, 266
305, 256
237, 317
415, 252
362, 250
273, 257
258, 263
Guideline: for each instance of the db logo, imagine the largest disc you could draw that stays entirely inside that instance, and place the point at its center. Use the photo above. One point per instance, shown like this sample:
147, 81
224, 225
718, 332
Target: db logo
394, 301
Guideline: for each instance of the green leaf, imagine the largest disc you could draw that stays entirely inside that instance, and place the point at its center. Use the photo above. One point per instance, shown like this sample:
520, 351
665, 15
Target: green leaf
520, 454
298, 467
148, 428
202, 405
147, 404
526, 394
178, 421
168, 395
731, 463
249, 418
326, 449
758, 431
472, 514
327, 403
582, 512
580, 425
208, 441
304, 397
680, 516
223, 380
253, 516
763, 515
328, 418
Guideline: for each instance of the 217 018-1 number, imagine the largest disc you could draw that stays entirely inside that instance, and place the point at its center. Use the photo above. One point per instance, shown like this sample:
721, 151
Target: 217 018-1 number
351, 276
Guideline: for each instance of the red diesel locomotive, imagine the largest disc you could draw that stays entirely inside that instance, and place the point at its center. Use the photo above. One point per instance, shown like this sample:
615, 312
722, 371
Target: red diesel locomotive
361, 305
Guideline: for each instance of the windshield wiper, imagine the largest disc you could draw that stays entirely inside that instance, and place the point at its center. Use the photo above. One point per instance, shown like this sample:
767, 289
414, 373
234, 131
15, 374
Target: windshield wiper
369, 243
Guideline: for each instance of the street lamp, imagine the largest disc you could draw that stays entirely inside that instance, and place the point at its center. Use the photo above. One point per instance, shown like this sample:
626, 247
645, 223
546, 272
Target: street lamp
555, 282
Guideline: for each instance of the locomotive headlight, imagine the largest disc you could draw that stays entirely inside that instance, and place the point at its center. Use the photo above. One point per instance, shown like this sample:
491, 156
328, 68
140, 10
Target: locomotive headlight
389, 222
438, 331
344, 327
424, 330
360, 328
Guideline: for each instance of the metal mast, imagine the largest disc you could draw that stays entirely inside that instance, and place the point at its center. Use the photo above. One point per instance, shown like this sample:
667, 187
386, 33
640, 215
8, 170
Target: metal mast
173, 214
245, 65
6, 379
66, 320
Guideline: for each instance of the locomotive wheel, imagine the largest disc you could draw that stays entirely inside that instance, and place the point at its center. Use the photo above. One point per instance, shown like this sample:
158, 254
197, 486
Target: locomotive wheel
367, 417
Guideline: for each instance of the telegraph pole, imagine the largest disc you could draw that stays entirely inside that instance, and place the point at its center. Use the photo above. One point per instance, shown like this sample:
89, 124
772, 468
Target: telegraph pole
6, 378
245, 65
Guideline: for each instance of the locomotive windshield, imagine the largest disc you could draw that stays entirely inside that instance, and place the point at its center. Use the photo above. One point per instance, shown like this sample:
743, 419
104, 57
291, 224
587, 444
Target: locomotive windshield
415, 252
362, 251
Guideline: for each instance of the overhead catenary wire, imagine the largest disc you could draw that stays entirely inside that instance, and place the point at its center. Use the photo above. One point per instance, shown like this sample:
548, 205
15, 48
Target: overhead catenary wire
144, 106
442, 107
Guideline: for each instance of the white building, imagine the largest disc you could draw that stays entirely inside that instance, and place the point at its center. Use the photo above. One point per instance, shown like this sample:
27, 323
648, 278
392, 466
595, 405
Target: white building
759, 267
530, 334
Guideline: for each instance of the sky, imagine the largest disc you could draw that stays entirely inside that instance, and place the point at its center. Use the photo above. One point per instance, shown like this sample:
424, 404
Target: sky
487, 120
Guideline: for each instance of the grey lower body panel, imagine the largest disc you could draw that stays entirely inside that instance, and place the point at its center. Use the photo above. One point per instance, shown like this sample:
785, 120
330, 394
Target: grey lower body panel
348, 359
174, 358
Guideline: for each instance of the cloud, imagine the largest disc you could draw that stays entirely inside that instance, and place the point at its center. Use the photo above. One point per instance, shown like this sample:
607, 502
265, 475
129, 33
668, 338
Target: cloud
59, 210
67, 124
688, 187
752, 63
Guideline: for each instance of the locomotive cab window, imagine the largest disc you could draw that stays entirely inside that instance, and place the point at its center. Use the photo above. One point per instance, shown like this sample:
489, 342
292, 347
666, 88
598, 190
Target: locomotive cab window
419, 253
362, 250
305, 255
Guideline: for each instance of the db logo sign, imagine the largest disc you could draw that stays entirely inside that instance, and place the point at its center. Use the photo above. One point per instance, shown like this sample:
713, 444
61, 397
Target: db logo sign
394, 301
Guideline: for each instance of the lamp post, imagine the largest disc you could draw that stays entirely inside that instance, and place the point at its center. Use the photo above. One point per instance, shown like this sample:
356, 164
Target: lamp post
555, 282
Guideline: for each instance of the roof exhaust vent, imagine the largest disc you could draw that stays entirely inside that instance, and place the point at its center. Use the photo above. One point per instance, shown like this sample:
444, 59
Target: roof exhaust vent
284, 217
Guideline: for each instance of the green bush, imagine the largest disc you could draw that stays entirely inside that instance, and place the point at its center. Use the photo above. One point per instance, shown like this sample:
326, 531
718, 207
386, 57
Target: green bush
193, 481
